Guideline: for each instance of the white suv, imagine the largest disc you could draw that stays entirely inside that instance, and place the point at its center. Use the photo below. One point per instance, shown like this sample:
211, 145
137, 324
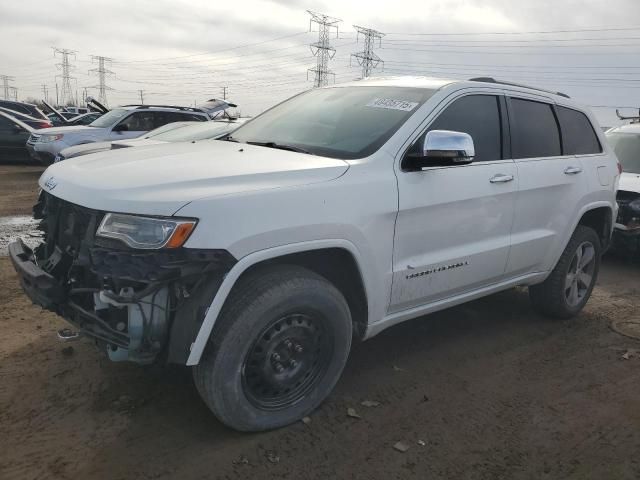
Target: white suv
129, 121
334, 215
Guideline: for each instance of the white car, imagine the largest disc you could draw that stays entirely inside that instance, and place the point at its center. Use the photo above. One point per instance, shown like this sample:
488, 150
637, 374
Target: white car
334, 215
172, 132
625, 141
129, 121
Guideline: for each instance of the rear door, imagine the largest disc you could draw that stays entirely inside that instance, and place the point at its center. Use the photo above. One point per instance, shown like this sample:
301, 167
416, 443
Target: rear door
12, 140
454, 223
550, 185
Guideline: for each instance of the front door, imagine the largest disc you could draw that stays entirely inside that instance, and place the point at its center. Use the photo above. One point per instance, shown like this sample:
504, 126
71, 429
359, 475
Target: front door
454, 223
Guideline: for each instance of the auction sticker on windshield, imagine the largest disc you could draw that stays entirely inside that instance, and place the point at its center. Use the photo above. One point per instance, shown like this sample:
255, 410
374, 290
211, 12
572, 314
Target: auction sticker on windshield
392, 104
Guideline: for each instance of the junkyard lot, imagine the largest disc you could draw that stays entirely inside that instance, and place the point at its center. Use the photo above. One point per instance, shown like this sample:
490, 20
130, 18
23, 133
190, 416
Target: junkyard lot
492, 389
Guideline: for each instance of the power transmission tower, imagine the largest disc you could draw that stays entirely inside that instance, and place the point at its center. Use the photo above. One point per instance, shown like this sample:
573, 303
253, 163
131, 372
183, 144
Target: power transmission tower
66, 94
367, 58
322, 49
85, 94
14, 93
141, 92
224, 92
5, 83
103, 73
45, 91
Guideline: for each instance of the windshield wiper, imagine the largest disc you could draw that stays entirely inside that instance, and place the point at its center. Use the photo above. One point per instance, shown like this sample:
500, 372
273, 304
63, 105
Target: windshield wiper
281, 146
229, 138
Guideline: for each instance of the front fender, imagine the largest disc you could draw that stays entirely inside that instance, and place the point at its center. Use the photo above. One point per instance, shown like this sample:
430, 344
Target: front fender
200, 342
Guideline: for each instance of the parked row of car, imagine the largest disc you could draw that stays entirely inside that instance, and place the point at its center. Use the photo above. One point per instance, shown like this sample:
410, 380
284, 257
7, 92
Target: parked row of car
23, 136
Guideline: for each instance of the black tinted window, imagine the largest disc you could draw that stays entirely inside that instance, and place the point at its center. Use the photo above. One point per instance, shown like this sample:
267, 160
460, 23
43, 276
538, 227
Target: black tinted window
534, 130
141, 121
477, 115
578, 136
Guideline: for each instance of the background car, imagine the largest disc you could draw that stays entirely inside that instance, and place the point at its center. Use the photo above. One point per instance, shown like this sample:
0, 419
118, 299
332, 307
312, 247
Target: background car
625, 141
33, 122
13, 137
117, 124
24, 108
172, 132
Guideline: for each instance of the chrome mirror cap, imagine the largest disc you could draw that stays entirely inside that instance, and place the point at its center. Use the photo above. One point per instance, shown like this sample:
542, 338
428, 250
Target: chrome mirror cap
457, 147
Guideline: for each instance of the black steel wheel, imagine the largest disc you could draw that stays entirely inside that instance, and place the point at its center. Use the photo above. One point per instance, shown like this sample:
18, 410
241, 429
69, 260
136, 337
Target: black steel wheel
278, 349
286, 360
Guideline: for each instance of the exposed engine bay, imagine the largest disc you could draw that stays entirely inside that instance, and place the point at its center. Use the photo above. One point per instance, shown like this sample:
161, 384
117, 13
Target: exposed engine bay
139, 305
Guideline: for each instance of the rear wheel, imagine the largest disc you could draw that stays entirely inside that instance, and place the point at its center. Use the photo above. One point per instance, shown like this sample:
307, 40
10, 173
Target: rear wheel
566, 291
277, 350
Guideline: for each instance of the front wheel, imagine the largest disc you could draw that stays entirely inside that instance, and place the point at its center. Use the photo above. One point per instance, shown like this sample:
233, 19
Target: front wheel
566, 291
277, 351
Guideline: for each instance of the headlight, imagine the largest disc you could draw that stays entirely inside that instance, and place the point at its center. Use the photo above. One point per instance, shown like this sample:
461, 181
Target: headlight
50, 138
146, 232
635, 206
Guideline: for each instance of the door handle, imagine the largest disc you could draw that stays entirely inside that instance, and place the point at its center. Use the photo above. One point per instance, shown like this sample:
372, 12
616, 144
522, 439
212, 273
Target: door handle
501, 178
572, 170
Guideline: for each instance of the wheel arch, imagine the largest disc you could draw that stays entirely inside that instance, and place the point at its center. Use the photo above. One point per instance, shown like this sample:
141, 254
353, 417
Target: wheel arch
337, 260
600, 219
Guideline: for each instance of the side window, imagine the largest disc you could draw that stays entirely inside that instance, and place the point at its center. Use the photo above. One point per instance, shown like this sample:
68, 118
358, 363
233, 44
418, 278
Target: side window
534, 130
578, 136
187, 117
477, 115
5, 123
139, 121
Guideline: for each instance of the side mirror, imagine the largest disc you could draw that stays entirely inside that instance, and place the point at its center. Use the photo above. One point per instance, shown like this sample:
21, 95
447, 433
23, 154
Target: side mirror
121, 127
442, 148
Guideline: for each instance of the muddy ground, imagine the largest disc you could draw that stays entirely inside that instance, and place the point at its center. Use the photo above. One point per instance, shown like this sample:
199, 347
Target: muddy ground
491, 389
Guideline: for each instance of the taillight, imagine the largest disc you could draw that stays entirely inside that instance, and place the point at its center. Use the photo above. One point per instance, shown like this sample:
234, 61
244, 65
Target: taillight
45, 125
619, 168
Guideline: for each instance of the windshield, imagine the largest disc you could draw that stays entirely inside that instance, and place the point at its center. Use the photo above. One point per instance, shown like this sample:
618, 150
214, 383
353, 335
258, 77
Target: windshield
109, 118
339, 122
627, 148
197, 131
166, 128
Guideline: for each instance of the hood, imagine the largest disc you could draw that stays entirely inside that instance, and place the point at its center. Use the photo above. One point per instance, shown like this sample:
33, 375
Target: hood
630, 182
137, 142
85, 149
70, 129
159, 180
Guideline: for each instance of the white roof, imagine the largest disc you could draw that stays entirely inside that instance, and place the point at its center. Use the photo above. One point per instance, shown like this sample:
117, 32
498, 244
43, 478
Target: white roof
437, 83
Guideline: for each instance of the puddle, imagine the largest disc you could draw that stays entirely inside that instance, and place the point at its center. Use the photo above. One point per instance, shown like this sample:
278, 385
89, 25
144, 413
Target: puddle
14, 227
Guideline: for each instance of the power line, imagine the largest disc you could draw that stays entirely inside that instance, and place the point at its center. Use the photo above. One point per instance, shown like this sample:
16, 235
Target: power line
66, 94
523, 33
102, 72
322, 49
367, 57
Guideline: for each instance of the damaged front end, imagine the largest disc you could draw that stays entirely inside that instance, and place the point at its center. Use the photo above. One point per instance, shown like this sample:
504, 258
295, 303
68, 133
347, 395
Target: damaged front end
627, 228
140, 305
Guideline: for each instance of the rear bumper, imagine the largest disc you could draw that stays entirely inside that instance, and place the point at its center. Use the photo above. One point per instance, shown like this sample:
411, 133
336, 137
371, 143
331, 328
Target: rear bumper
43, 289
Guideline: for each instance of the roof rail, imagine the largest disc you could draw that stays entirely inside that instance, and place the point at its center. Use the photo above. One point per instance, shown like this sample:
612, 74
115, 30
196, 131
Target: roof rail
500, 82
187, 109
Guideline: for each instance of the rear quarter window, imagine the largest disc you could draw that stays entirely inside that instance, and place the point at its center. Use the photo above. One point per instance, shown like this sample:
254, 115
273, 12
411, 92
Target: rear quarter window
578, 135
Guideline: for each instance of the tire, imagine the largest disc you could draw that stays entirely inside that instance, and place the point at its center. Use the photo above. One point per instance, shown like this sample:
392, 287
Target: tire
241, 379
565, 292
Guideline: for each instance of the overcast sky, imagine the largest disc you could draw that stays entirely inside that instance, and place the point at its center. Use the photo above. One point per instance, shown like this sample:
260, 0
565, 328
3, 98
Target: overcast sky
186, 51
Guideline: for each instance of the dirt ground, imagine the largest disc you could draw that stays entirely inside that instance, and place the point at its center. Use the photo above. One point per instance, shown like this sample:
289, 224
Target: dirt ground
488, 390
18, 188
